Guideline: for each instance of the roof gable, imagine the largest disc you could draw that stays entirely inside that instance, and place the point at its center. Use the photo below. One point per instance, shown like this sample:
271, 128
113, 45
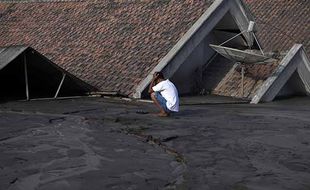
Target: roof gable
295, 62
25, 73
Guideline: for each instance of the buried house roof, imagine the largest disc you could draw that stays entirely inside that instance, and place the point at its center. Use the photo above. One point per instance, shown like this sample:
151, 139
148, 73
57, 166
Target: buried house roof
112, 45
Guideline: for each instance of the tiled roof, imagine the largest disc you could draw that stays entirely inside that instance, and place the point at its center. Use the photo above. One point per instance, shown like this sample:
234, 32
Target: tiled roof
112, 45
282, 23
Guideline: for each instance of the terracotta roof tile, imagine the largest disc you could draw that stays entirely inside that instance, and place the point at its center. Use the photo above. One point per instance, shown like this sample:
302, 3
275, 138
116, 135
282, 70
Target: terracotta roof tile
282, 23
112, 45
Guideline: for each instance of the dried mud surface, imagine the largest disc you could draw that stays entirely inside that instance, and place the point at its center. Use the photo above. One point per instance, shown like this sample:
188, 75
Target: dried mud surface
104, 144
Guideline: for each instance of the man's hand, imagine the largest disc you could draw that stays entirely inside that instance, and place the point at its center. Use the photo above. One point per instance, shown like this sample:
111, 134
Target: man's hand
155, 75
153, 82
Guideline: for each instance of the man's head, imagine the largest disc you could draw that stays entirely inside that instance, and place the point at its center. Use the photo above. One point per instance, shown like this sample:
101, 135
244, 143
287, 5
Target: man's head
159, 75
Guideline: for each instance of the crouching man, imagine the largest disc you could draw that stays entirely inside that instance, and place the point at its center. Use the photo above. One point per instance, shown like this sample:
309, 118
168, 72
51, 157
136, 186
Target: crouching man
164, 95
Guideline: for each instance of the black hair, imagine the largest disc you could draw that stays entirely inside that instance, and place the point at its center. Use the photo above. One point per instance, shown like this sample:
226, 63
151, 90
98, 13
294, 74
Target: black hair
160, 75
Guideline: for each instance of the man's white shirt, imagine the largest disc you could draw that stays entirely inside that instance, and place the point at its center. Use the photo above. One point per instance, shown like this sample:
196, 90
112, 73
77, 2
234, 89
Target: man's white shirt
170, 93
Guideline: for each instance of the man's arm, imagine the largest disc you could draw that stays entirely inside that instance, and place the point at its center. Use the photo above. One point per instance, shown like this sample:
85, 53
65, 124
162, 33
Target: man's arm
152, 83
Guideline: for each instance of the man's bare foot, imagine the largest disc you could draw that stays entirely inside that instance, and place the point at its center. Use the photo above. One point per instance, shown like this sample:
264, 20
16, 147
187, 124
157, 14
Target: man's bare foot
163, 114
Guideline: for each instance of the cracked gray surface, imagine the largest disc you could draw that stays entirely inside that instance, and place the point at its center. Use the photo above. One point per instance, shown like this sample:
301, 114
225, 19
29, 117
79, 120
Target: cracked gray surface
104, 144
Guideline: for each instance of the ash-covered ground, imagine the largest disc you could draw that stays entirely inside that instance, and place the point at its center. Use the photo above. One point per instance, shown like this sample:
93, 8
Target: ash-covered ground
105, 144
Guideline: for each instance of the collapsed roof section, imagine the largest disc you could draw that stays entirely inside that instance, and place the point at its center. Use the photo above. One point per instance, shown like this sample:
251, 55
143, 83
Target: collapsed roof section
25, 74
